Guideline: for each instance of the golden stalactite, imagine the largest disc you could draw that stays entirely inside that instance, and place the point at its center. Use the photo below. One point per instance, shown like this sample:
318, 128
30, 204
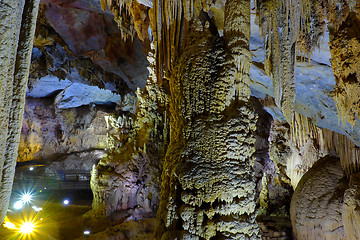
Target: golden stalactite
312, 27
278, 26
121, 11
168, 17
170, 21
141, 19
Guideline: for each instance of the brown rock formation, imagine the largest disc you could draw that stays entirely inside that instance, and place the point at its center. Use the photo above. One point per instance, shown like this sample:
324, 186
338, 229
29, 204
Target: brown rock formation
344, 47
49, 133
126, 183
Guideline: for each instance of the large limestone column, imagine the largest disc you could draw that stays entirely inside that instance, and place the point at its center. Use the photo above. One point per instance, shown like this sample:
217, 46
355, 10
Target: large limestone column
17, 27
344, 20
208, 186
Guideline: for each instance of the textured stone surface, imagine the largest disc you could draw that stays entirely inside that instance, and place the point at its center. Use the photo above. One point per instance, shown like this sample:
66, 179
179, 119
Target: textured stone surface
273, 186
344, 47
126, 182
208, 188
351, 208
78, 94
18, 21
275, 23
317, 202
49, 133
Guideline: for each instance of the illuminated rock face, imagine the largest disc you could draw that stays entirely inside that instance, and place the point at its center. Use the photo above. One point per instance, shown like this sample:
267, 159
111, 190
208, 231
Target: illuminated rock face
344, 45
50, 134
208, 188
126, 182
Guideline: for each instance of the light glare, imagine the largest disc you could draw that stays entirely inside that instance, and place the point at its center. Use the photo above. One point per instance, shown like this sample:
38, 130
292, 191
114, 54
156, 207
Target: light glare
27, 228
37, 209
66, 202
18, 205
87, 232
26, 197
9, 225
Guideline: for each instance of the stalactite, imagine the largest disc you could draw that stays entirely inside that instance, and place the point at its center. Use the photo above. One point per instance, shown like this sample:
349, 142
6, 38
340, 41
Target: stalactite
348, 152
167, 24
279, 24
169, 21
324, 142
285, 23
18, 28
121, 10
312, 26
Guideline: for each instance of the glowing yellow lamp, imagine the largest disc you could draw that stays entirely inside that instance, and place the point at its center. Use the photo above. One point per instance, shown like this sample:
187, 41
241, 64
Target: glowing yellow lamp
27, 228
9, 225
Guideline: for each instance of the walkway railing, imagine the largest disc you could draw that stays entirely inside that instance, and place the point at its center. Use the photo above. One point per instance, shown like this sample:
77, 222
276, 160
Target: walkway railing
59, 180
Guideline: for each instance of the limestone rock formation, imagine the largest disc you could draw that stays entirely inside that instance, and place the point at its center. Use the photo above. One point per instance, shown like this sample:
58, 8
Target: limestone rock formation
18, 20
90, 32
350, 208
126, 182
317, 202
49, 133
208, 188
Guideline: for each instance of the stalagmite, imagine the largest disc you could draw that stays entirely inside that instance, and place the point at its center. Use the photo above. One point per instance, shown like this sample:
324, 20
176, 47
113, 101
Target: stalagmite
208, 187
17, 28
202, 62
